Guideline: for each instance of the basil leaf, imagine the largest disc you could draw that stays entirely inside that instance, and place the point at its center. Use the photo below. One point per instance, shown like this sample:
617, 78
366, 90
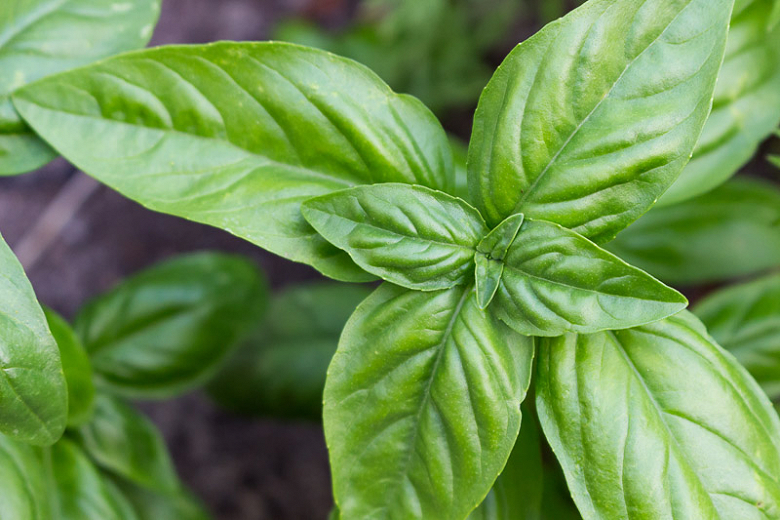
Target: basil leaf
24, 493
80, 489
774, 17
659, 422
33, 392
169, 329
491, 252
42, 37
77, 369
121, 440
517, 493
149, 505
280, 370
746, 106
556, 281
411, 236
422, 404
729, 232
745, 319
237, 135
589, 121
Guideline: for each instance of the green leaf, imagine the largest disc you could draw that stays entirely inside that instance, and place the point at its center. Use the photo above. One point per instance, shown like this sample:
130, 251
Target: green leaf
422, 404
411, 236
746, 106
24, 493
43, 37
489, 259
729, 232
745, 319
280, 370
33, 392
149, 505
237, 135
557, 503
81, 491
488, 274
589, 121
517, 493
168, 329
659, 422
77, 369
774, 17
123, 441
556, 281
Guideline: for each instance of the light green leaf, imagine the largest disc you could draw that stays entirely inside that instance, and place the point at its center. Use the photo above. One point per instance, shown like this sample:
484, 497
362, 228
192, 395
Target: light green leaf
149, 505
746, 108
489, 259
43, 37
280, 370
517, 493
169, 329
237, 135
411, 236
731, 231
33, 392
77, 369
24, 493
556, 281
123, 441
488, 274
81, 491
589, 121
659, 422
774, 17
422, 404
745, 319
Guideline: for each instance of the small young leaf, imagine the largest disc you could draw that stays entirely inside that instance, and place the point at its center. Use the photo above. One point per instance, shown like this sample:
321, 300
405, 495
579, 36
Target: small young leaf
659, 422
42, 37
33, 392
167, 330
123, 441
411, 236
497, 243
24, 493
489, 259
488, 274
745, 319
237, 135
77, 369
422, 404
589, 121
729, 232
556, 281
280, 370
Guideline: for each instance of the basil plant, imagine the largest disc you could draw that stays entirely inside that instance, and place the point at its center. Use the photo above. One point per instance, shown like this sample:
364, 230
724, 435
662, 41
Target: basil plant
498, 306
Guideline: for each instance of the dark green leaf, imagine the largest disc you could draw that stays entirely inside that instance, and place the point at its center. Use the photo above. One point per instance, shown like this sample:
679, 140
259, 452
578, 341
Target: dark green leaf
557, 503
411, 236
24, 492
659, 422
556, 281
149, 505
42, 37
746, 109
589, 121
280, 370
33, 392
731, 231
77, 369
168, 329
422, 404
237, 135
123, 441
745, 319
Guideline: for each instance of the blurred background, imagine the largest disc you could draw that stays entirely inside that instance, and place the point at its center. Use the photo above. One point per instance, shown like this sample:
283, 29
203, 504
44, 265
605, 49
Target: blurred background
77, 239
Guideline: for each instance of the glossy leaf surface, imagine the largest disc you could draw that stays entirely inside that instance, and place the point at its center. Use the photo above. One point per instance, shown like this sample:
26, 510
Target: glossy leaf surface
43, 37
168, 329
237, 135
280, 370
24, 491
125, 442
422, 404
33, 392
731, 231
589, 121
746, 107
411, 236
745, 319
556, 281
659, 422
77, 369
